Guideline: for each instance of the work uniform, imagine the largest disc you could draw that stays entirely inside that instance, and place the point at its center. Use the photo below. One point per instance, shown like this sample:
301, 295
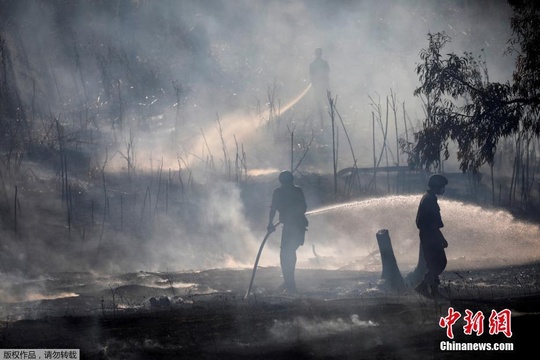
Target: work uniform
429, 222
289, 201
319, 71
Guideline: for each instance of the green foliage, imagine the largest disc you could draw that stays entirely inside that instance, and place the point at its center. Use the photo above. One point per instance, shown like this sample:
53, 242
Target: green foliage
465, 108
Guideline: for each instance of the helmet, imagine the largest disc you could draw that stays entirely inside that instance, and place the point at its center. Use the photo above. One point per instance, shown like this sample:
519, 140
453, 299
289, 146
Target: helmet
286, 177
437, 181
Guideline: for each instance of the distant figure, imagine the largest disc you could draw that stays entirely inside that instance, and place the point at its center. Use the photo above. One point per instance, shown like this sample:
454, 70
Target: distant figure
200, 50
432, 241
319, 75
289, 201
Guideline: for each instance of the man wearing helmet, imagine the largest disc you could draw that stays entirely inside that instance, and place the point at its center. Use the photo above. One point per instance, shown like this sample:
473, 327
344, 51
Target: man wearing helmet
432, 241
289, 201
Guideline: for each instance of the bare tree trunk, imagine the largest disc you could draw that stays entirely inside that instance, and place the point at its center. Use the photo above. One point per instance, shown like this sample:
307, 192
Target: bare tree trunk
391, 276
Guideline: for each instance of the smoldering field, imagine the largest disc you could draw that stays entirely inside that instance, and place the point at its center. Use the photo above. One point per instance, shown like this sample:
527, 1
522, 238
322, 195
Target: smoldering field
142, 141
149, 121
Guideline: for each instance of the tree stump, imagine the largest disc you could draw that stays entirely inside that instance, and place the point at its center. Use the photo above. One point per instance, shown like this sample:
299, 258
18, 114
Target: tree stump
391, 278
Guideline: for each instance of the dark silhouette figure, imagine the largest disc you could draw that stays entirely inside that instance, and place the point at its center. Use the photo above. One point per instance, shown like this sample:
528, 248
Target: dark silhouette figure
200, 47
319, 75
289, 201
432, 241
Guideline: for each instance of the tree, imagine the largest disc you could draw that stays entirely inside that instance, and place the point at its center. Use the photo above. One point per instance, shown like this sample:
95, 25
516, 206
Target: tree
525, 43
465, 108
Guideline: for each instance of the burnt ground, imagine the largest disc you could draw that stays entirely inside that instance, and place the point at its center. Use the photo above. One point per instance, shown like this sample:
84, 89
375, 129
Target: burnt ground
338, 314
203, 315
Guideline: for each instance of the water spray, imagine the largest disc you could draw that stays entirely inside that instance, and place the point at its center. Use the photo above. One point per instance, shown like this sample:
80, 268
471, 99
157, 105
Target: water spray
295, 100
233, 128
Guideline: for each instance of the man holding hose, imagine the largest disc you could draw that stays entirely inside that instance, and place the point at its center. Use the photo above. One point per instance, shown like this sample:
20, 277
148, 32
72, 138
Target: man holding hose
289, 201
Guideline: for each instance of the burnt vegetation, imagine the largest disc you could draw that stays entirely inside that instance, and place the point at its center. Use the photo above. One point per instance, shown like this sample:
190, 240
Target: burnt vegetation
73, 116
104, 172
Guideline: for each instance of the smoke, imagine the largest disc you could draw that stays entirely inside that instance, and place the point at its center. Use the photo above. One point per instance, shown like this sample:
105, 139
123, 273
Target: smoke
165, 110
16, 289
301, 329
165, 69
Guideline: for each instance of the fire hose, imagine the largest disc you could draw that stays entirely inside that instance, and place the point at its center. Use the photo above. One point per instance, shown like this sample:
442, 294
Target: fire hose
257, 260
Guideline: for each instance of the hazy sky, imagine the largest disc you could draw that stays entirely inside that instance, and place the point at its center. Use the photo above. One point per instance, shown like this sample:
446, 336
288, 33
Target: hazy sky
163, 72
121, 59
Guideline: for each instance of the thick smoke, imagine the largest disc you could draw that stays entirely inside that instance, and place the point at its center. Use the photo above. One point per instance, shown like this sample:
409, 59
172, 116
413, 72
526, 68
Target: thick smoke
178, 105
165, 70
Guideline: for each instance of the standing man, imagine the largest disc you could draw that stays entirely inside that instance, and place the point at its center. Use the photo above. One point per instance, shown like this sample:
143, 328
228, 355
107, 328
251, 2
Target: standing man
432, 241
289, 201
319, 75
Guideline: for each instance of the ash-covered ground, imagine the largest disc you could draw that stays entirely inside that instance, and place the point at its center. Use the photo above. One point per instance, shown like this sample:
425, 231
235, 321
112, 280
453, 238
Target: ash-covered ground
153, 139
343, 310
344, 314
